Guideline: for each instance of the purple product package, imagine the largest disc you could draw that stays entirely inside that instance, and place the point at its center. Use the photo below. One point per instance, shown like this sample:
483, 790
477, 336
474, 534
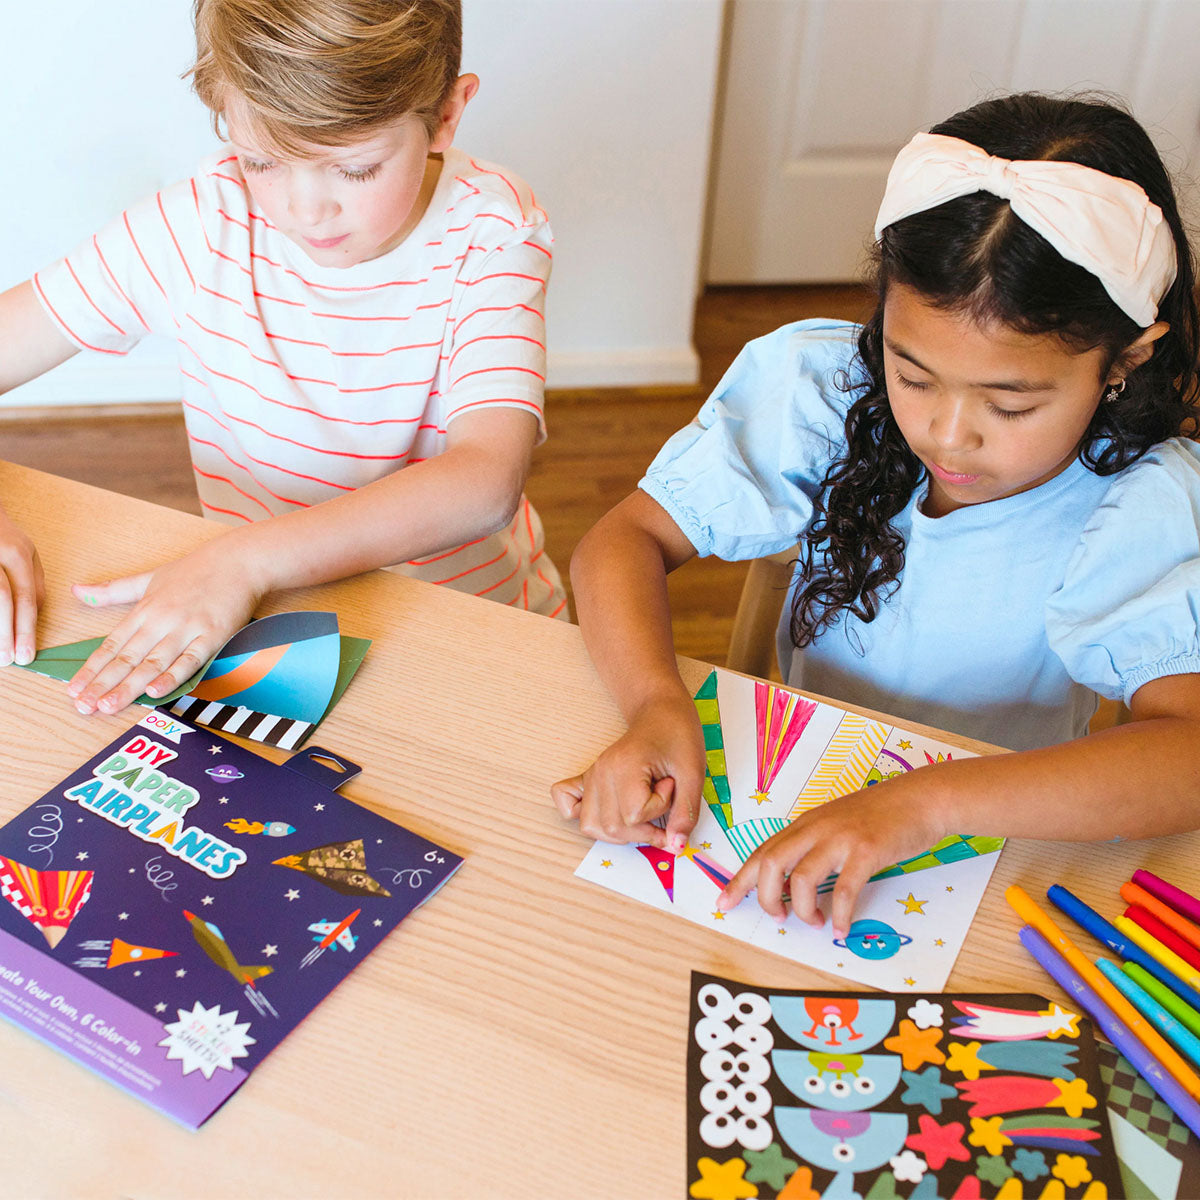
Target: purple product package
176, 906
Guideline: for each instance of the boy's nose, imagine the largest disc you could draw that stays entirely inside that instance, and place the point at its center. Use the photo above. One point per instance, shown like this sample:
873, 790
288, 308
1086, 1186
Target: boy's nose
310, 208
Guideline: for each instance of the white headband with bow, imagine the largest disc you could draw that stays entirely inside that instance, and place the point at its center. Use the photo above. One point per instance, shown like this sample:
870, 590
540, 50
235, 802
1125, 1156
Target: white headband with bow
1100, 222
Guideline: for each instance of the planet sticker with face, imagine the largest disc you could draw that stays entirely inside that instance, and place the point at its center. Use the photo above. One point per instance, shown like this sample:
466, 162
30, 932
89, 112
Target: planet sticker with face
224, 773
872, 939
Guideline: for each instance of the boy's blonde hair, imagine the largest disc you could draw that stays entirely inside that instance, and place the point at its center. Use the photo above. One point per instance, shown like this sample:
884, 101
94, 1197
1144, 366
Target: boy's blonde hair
325, 72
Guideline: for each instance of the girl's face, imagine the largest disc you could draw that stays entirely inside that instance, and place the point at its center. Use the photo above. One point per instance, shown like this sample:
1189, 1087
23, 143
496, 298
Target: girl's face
989, 411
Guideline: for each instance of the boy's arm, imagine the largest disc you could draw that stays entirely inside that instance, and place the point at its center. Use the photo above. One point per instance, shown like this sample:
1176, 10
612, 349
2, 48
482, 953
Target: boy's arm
186, 609
30, 344
619, 573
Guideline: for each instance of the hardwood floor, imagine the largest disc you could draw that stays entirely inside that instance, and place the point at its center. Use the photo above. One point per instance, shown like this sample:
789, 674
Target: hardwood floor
600, 443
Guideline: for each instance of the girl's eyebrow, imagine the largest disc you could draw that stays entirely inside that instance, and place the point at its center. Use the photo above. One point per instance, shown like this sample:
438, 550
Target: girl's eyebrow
998, 385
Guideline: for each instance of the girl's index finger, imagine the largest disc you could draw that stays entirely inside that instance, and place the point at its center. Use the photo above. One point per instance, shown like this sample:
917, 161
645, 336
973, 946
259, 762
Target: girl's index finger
740, 886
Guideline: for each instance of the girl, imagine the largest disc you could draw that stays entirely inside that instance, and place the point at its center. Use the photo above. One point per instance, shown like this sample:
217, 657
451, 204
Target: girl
997, 515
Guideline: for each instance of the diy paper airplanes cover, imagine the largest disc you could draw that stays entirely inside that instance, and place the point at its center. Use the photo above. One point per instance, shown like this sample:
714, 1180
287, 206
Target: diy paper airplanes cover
175, 907
274, 681
804, 1094
772, 754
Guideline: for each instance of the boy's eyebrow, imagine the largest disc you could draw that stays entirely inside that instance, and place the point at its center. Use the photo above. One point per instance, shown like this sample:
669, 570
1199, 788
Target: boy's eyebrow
997, 385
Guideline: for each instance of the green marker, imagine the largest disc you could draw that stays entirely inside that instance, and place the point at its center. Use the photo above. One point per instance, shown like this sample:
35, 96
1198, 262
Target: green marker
1179, 1009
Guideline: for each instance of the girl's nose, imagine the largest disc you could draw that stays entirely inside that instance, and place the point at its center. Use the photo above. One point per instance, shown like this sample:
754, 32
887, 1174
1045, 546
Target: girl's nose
951, 427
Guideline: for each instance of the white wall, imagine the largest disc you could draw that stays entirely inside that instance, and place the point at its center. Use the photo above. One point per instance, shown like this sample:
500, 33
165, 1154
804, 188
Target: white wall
605, 106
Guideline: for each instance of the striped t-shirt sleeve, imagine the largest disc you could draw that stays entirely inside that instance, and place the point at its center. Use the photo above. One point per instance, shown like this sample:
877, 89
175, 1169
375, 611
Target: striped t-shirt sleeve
128, 279
498, 348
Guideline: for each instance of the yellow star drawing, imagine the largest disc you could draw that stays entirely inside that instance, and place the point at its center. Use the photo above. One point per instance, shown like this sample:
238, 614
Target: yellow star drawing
718, 915
606, 862
688, 852
906, 744
913, 905
782, 932
949, 888
706, 845
938, 942
909, 982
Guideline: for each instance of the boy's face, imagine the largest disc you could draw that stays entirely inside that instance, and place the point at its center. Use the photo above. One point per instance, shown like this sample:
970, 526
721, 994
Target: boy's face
348, 204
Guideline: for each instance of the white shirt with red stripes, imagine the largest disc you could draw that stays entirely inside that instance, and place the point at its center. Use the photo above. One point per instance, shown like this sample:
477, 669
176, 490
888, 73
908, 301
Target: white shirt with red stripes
303, 382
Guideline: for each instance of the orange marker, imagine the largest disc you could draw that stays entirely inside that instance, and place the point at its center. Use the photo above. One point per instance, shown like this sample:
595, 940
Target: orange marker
1031, 914
1132, 894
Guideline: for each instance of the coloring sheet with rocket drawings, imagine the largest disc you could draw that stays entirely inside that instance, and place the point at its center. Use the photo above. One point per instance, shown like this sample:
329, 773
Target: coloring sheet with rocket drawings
771, 755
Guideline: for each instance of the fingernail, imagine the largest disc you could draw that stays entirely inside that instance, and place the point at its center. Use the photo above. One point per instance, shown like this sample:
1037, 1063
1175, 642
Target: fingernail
107, 705
676, 843
83, 707
73, 690
25, 655
722, 903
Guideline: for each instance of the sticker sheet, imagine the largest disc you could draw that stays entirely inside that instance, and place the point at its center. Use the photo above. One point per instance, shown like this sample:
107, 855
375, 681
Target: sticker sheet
175, 907
771, 755
799, 1095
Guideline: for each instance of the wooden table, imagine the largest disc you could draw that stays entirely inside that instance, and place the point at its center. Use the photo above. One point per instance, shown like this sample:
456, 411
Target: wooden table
521, 1035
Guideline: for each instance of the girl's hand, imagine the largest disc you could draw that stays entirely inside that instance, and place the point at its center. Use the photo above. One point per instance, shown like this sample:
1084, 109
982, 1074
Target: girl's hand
22, 589
854, 836
184, 612
657, 767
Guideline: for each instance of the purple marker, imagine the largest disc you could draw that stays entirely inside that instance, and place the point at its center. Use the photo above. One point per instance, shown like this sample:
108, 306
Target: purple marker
1147, 1066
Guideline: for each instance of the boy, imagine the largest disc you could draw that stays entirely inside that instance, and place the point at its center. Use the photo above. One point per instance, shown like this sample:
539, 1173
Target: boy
350, 295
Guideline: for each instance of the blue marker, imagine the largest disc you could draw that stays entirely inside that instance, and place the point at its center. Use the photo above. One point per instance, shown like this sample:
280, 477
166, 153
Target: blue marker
1158, 1016
1090, 920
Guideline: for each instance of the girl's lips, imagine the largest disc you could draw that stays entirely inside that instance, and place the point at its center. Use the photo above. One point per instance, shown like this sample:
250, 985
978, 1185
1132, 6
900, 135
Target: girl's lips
951, 476
326, 243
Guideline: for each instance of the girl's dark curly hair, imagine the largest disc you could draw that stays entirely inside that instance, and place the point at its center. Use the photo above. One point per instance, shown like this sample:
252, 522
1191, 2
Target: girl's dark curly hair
972, 256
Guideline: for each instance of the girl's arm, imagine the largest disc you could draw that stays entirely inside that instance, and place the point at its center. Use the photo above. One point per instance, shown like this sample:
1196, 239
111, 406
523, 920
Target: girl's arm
619, 573
1134, 781
30, 344
186, 609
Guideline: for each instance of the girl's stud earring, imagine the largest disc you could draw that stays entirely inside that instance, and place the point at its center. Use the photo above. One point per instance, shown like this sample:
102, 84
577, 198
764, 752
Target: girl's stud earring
1114, 390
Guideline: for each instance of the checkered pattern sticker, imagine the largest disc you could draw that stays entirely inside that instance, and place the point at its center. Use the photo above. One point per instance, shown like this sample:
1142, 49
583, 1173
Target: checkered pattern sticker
1134, 1099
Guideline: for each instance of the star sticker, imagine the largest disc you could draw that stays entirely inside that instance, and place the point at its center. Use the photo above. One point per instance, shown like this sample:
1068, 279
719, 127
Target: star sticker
377, 922
318, 808
913, 905
1064, 1022
81, 855
718, 915
214, 749
379, 841
905, 744
137, 972
207, 900
180, 973
291, 894
1073, 1097
223, 800
769, 1166
122, 916
606, 862
722, 1181
132, 869
78, 820
160, 1007
270, 951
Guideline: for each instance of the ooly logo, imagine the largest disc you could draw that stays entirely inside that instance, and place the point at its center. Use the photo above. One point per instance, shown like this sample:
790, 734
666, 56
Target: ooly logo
164, 726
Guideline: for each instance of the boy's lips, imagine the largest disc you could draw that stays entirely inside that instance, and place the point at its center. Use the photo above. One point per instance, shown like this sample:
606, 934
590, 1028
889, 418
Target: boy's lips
326, 243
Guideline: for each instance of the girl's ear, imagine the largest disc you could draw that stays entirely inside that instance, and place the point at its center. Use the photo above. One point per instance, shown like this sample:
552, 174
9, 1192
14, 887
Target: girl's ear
1138, 351
465, 86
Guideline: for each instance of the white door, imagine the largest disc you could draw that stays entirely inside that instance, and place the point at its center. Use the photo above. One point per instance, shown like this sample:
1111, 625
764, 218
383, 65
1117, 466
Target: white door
820, 94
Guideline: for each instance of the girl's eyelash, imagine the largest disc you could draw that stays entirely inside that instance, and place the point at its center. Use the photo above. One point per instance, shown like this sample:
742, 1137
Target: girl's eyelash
359, 174
1008, 414
911, 384
254, 166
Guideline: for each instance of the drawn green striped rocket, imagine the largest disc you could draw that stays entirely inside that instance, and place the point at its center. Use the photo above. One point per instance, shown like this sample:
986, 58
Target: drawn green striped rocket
716, 781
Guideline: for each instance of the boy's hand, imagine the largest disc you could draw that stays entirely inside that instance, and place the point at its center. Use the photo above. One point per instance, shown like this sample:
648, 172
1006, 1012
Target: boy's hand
854, 835
185, 611
657, 767
22, 589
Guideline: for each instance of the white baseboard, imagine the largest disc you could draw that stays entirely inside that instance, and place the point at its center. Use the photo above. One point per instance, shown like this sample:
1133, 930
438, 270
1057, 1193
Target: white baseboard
89, 381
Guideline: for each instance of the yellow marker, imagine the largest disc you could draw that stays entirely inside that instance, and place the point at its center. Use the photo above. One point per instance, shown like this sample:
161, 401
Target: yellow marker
1178, 967
1170, 1061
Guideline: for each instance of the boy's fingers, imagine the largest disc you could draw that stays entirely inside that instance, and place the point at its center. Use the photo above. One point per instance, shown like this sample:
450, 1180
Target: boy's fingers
567, 795
126, 590
29, 597
190, 660
7, 622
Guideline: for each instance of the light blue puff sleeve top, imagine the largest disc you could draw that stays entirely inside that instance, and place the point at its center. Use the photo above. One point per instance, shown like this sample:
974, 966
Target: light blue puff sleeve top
1009, 616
